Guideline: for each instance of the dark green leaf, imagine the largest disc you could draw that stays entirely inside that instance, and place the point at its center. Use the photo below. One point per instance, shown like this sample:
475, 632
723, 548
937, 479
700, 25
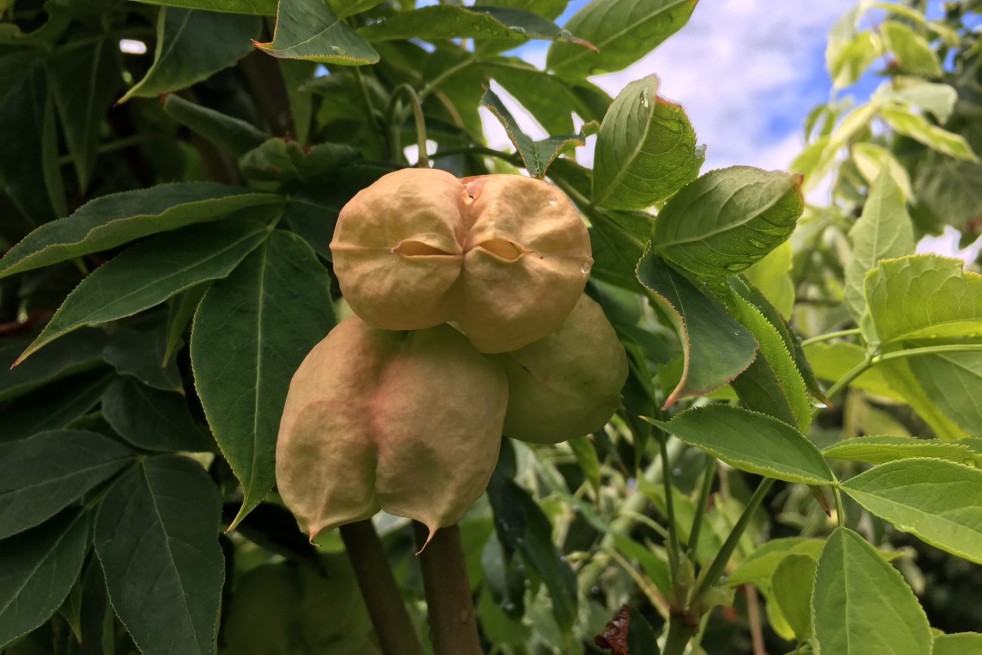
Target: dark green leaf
548, 98
716, 347
140, 354
52, 470
156, 536
151, 272
151, 419
646, 149
950, 188
53, 406
308, 29
296, 74
113, 220
81, 351
21, 129
641, 637
623, 32
37, 570
282, 160
192, 46
728, 219
261, 7
233, 135
50, 156
751, 442
97, 619
250, 334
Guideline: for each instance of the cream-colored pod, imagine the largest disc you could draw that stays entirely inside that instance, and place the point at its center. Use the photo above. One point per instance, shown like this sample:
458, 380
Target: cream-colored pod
527, 259
407, 422
397, 249
567, 384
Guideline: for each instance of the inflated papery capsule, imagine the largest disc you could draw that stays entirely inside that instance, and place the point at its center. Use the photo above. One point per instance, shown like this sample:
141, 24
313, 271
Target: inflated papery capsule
504, 256
407, 422
567, 384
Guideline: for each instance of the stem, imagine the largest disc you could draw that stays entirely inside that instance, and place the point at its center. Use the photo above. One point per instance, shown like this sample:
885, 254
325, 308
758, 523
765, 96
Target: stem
709, 575
832, 335
753, 615
453, 625
847, 379
378, 586
674, 547
679, 634
840, 513
416, 105
707, 484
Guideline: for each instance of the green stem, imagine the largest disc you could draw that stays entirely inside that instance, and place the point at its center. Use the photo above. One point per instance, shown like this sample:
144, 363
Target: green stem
707, 485
453, 624
373, 113
679, 634
674, 547
395, 123
444, 76
393, 626
832, 335
709, 576
840, 512
847, 379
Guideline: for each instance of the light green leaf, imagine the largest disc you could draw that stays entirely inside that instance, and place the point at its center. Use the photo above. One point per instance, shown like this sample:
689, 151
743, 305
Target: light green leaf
151, 272
716, 347
37, 570
953, 381
936, 500
882, 231
772, 275
586, 456
192, 46
152, 419
924, 297
250, 333
623, 31
962, 643
833, 360
163, 513
939, 99
115, 219
308, 29
882, 449
791, 588
910, 390
911, 50
233, 135
848, 58
872, 159
915, 126
751, 442
727, 220
758, 567
49, 471
256, 7
646, 149
862, 605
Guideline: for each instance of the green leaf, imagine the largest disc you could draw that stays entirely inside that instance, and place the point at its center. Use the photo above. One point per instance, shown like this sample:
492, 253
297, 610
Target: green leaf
282, 160
97, 619
250, 333
617, 245
51, 470
550, 9
848, 58
53, 406
862, 605
260, 7
938, 501
537, 155
192, 46
953, 382
772, 276
963, 643
521, 525
939, 99
924, 297
156, 535
76, 353
882, 449
623, 31
727, 220
139, 354
586, 457
37, 570
911, 390
439, 22
915, 126
548, 98
872, 159
50, 156
950, 188
308, 29
833, 360
716, 347
85, 81
751, 442
911, 50
758, 568
641, 637
115, 219
295, 74
151, 419
345, 8
791, 587
151, 272
882, 231
233, 135
646, 149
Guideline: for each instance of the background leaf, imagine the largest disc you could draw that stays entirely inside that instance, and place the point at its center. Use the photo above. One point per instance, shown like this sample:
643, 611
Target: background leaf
251, 332
261, 7
151, 419
308, 29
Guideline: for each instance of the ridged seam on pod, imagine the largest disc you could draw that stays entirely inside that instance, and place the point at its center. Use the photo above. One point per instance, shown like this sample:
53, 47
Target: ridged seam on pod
504, 256
407, 422
567, 384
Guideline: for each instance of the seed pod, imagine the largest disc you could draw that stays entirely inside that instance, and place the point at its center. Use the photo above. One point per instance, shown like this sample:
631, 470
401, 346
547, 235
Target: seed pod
504, 256
408, 422
567, 384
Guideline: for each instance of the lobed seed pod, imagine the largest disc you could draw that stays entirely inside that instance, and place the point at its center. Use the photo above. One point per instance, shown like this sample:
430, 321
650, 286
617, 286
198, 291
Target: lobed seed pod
407, 422
504, 256
567, 384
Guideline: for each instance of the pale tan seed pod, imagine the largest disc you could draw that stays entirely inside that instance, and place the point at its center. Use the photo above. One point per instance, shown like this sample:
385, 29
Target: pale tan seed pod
407, 422
567, 384
504, 256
